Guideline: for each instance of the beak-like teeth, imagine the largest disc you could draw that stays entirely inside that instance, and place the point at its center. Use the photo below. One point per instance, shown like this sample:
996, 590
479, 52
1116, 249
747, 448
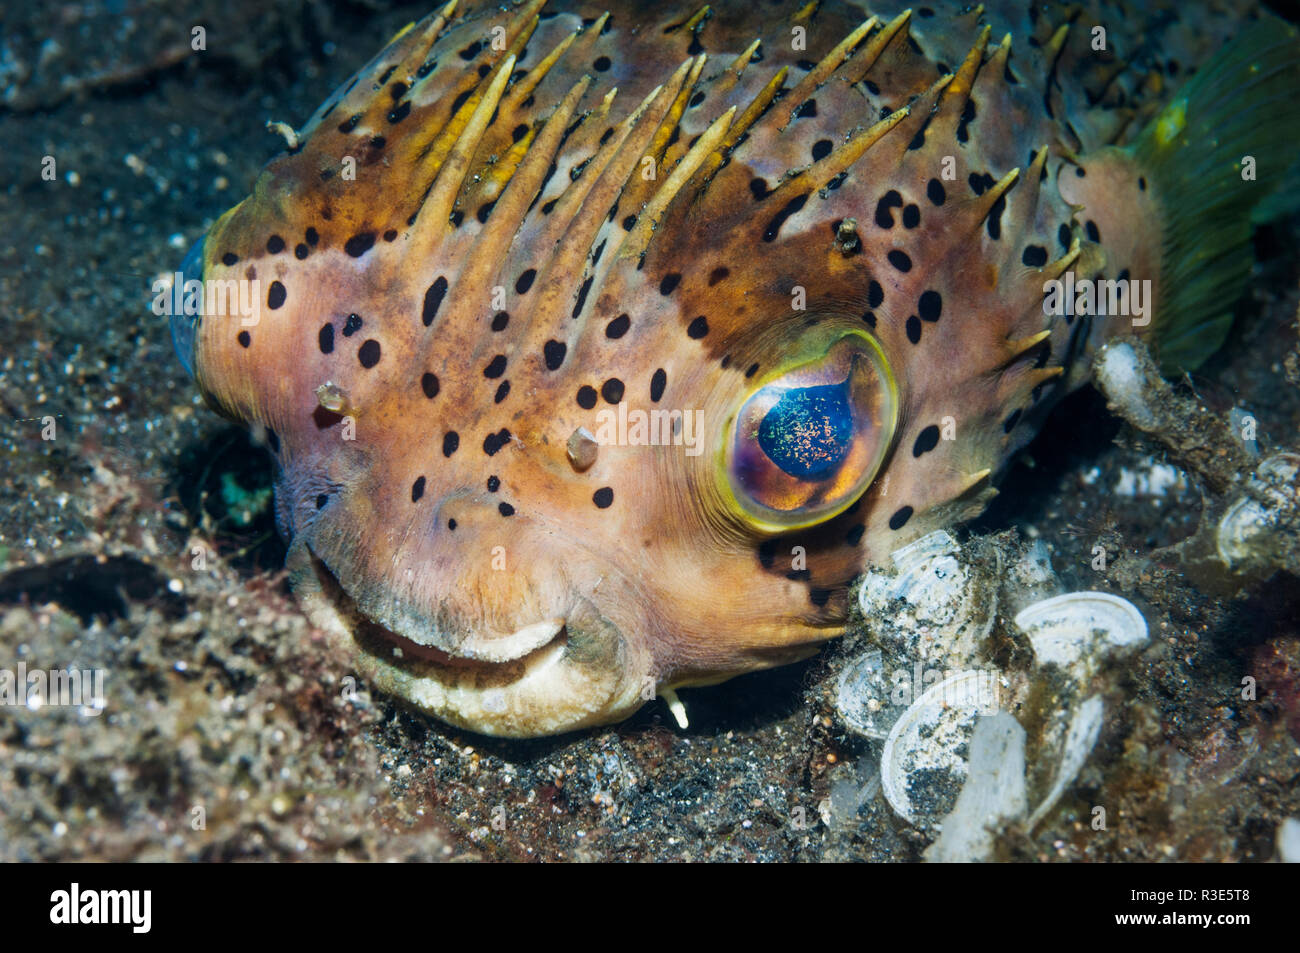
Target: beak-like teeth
488, 647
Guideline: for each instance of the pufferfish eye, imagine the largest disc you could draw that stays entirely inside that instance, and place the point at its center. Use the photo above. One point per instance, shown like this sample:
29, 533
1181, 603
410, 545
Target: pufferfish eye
809, 438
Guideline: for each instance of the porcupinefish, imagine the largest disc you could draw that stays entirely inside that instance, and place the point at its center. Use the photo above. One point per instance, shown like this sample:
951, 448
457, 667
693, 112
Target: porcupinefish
598, 350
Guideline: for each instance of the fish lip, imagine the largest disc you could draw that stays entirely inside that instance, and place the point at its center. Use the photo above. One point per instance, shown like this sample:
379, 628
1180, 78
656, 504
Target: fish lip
480, 648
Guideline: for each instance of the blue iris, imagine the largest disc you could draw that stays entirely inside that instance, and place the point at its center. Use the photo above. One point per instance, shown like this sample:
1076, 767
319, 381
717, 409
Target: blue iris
182, 324
809, 431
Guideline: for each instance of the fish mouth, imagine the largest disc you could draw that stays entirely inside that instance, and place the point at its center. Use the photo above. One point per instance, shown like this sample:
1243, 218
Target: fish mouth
545, 678
478, 650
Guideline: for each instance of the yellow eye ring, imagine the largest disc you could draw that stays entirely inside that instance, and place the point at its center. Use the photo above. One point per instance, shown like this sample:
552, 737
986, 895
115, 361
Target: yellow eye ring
807, 440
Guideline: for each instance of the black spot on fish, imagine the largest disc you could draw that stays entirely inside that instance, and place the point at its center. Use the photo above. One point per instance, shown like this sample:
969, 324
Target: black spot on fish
500, 320
553, 354
884, 217
587, 397
244, 338
914, 329
275, 244
821, 149
994, 222
603, 498
495, 367
669, 283
505, 509
900, 518
358, 245
326, 338
935, 192
368, 354
612, 390
698, 328
1094, 233
618, 327
429, 384
352, 325
875, 294
900, 260
658, 381
930, 305
433, 299
275, 295
582, 296
911, 216
503, 391
1035, 256
792, 207
417, 490
807, 110
926, 440
450, 443
525, 281
718, 274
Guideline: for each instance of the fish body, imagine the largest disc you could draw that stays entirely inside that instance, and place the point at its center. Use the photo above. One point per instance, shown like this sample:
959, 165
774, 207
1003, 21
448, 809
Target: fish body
600, 348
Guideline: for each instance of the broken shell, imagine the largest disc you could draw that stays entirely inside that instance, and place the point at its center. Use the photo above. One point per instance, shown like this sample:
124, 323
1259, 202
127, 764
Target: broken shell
1249, 526
923, 765
1085, 727
1075, 630
862, 696
947, 608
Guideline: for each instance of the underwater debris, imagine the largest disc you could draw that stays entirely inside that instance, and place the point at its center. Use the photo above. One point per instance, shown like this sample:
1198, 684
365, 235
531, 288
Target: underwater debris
953, 759
1250, 525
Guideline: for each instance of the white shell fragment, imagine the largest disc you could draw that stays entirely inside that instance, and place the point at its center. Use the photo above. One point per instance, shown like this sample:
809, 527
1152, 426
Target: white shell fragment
994, 792
931, 605
1076, 630
953, 761
1085, 726
1248, 526
862, 696
923, 765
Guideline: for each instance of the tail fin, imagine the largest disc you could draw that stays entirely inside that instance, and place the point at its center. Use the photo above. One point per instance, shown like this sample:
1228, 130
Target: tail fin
1240, 114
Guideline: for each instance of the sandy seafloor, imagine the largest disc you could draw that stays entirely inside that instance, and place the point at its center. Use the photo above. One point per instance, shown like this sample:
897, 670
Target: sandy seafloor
221, 699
